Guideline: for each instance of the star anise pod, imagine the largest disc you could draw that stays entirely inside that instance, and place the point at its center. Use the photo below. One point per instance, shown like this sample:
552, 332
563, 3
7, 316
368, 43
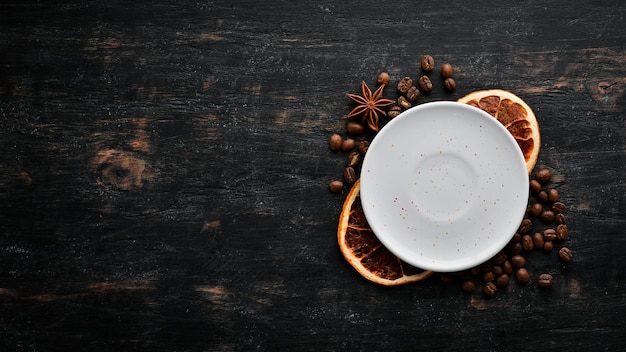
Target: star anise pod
369, 105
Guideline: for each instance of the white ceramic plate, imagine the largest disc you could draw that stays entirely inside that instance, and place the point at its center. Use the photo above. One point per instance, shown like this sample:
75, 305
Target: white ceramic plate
444, 186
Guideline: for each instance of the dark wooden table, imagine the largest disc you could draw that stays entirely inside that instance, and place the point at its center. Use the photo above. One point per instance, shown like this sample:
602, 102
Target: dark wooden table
164, 170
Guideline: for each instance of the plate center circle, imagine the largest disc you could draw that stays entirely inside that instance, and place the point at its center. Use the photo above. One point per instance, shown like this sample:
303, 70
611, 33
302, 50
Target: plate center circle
445, 186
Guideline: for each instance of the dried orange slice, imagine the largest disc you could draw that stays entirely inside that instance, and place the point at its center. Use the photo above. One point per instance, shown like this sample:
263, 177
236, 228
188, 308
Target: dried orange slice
515, 115
365, 253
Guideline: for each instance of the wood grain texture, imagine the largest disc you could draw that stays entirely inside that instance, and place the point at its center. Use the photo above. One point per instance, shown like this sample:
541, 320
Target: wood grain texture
164, 170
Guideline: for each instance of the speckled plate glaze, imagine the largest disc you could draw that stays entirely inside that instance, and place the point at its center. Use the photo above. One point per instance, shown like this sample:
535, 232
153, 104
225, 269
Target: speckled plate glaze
444, 186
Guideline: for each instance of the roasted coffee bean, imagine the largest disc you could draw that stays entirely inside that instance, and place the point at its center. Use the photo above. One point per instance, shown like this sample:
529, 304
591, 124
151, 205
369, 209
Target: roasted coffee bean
489, 276
486, 267
349, 174
354, 158
405, 84
548, 246
497, 270
535, 210
502, 280
516, 238
545, 280
516, 248
490, 288
348, 144
446, 277
425, 84
560, 218
526, 226
413, 94
335, 186
542, 196
527, 243
449, 84
547, 216
565, 254
428, 63
363, 147
562, 232
383, 79
446, 70
558, 207
335, 142
518, 261
553, 195
499, 258
507, 267
522, 275
403, 103
535, 186
538, 240
549, 234
355, 128
468, 286
394, 111
543, 176
475, 270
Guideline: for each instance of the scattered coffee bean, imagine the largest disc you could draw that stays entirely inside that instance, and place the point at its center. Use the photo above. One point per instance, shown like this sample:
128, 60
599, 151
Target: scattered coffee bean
535, 210
522, 275
348, 144
562, 232
349, 174
547, 216
394, 111
383, 79
403, 102
446, 70
516, 248
497, 271
549, 234
468, 286
516, 238
446, 277
425, 84
502, 280
507, 267
499, 258
542, 196
560, 218
335, 142
535, 186
538, 240
553, 195
527, 243
525, 226
449, 84
489, 276
428, 63
413, 94
489, 288
545, 280
565, 254
363, 147
548, 246
558, 207
405, 84
354, 158
485, 267
335, 186
355, 128
518, 261
543, 176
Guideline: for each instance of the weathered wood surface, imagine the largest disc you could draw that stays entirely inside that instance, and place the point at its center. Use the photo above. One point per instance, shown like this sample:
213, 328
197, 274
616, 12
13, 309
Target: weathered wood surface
164, 169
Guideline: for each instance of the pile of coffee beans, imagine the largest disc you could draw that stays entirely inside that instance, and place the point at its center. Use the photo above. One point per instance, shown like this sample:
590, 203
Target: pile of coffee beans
543, 228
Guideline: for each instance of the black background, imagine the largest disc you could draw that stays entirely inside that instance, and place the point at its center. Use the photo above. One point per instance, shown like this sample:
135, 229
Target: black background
164, 170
